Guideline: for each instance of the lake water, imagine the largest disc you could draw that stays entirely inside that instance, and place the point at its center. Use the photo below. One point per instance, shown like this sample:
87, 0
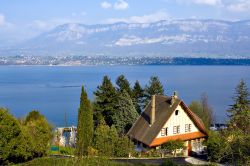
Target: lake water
55, 91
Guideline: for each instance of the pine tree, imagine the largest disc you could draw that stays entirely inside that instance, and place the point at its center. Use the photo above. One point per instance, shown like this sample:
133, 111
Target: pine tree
241, 100
138, 96
85, 127
155, 87
123, 84
236, 137
125, 114
240, 110
105, 97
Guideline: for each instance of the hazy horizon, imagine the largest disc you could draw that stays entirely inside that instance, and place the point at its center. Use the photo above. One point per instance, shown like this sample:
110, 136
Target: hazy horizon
22, 20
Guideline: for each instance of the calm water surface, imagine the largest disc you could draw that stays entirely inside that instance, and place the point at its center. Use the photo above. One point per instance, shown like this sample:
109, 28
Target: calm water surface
56, 90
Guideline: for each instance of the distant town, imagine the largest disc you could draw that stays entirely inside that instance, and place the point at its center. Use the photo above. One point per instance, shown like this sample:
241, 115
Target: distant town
104, 60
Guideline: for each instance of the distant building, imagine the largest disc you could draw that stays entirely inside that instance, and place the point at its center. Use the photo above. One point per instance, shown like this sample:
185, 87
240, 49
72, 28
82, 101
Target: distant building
66, 136
218, 126
168, 118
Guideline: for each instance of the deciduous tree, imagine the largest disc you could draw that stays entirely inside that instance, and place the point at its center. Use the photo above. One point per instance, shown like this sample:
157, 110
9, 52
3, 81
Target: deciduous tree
15, 146
173, 145
40, 131
203, 110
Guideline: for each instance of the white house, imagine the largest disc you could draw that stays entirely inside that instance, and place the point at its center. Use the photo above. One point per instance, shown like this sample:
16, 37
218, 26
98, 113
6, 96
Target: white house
168, 118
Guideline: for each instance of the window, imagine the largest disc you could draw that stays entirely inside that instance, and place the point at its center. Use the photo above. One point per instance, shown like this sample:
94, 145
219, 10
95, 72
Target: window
176, 112
176, 129
163, 132
187, 127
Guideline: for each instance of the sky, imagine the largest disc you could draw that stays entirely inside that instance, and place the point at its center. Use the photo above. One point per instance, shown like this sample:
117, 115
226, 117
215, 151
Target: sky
24, 19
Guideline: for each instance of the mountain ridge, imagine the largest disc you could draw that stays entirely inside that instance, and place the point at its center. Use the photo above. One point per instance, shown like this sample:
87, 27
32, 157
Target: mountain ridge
174, 38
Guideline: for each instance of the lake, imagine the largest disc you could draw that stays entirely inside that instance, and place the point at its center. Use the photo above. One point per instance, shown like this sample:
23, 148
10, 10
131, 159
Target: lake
55, 90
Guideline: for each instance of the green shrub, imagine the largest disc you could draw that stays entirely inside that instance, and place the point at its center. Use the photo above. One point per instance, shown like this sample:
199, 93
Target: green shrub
66, 150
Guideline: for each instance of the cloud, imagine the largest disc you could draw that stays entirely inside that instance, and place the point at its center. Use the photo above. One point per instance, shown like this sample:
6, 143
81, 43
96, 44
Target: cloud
207, 2
2, 20
201, 2
120, 5
106, 5
240, 6
154, 17
5, 24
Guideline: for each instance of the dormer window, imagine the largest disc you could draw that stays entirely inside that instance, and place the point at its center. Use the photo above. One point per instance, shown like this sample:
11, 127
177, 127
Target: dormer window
176, 112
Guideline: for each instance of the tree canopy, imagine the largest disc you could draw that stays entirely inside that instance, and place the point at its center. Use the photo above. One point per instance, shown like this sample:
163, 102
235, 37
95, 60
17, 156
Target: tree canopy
20, 142
125, 114
85, 125
138, 96
154, 87
123, 84
105, 100
203, 110
233, 144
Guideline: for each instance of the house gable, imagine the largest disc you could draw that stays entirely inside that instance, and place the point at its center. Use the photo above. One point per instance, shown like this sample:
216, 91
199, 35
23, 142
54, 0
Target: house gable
179, 118
186, 121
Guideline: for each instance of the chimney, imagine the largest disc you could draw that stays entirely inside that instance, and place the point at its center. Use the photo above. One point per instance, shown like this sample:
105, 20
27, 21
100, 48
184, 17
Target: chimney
175, 95
173, 98
152, 117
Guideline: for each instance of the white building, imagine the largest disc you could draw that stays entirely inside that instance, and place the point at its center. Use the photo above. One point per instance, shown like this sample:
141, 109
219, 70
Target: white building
66, 136
168, 118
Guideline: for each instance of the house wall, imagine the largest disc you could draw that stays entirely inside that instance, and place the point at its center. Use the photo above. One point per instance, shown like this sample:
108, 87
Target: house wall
178, 120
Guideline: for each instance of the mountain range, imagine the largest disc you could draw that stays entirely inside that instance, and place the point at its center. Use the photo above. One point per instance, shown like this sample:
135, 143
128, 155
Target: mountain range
173, 38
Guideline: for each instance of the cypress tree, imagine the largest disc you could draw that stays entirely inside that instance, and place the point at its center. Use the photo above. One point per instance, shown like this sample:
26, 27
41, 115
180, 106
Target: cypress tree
138, 95
85, 127
105, 97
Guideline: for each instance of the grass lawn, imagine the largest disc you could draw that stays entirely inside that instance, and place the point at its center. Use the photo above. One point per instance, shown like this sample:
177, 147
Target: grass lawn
52, 161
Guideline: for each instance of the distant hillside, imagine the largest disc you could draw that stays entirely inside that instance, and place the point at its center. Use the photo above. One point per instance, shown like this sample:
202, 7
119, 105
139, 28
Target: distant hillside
192, 38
